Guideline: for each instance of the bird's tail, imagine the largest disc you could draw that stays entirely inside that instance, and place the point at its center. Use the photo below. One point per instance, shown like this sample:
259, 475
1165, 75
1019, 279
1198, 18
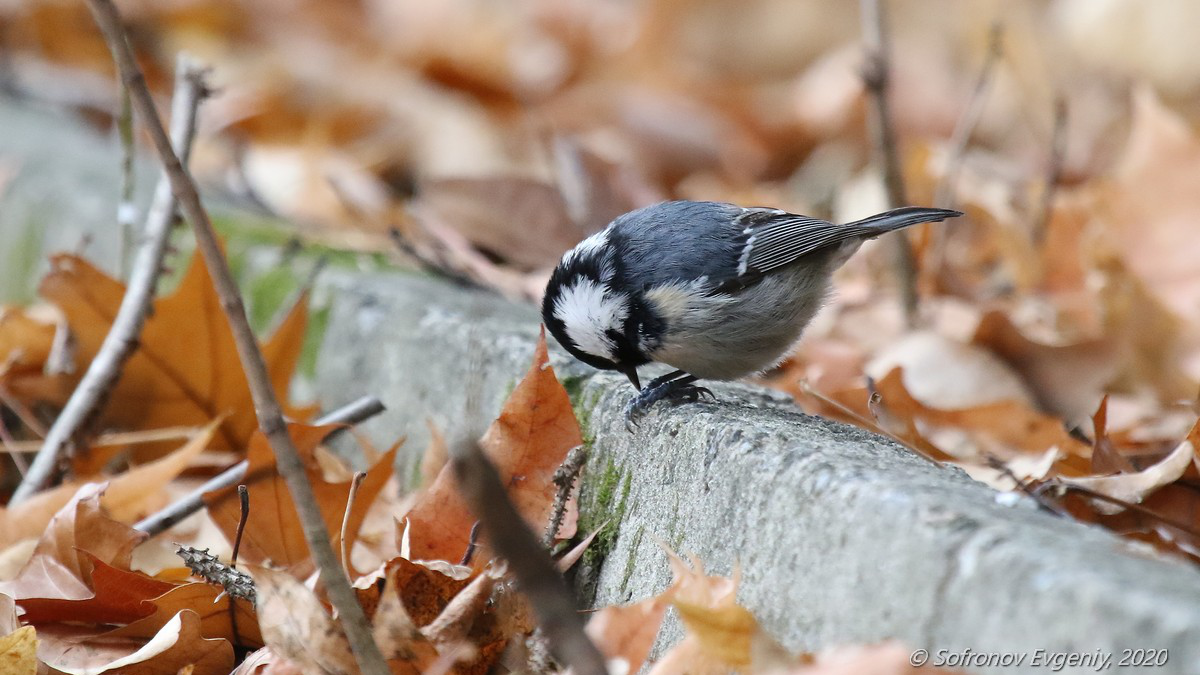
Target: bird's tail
900, 218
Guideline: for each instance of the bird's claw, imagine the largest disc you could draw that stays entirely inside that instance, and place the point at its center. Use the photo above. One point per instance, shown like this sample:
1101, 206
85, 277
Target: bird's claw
674, 393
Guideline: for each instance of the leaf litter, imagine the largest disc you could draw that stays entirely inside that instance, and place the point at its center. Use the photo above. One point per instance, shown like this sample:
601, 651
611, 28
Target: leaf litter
1062, 363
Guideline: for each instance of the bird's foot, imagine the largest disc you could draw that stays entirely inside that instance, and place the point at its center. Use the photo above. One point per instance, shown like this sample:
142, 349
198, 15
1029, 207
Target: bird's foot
674, 392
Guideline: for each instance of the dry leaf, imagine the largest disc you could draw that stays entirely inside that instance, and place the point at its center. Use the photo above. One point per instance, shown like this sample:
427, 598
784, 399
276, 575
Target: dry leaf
159, 387
62, 563
296, 626
527, 443
1133, 487
209, 602
627, 632
125, 499
402, 644
273, 532
178, 645
18, 651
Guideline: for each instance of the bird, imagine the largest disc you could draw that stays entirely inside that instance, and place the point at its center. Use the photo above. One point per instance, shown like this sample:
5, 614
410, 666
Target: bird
714, 290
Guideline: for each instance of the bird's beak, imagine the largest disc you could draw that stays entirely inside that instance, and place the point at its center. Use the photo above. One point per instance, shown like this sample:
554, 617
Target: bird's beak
631, 373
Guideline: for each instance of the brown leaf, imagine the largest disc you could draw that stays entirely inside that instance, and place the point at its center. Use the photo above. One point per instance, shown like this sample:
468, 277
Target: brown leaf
123, 499
296, 626
1150, 207
158, 387
26, 340
522, 221
1133, 487
118, 596
62, 563
627, 632
527, 443
424, 589
273, 532
178, 645
1105, 457
209, 602
402, 644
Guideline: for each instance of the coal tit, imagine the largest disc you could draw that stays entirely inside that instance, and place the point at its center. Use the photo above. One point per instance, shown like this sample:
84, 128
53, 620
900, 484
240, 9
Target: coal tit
715, 290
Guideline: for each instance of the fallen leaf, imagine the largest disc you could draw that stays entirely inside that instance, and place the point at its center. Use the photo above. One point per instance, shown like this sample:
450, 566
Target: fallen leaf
178, 645
402, 644
209, 602
1133, 487
118, 596
124, 499
425, 589
157, 388
527, 443
273, 531
18, 651
520, 220
62, 563
296, 626
627, 632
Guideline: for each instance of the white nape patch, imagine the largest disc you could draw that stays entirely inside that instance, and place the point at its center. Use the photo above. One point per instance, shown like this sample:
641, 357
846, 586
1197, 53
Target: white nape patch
744, 259
590, 246
588, 313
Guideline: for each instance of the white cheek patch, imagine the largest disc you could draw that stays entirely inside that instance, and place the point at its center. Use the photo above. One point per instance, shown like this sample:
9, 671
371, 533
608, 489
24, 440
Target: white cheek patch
588, 313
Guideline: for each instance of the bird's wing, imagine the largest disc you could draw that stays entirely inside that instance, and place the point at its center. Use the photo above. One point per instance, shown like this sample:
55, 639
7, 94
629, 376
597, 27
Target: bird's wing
773, 238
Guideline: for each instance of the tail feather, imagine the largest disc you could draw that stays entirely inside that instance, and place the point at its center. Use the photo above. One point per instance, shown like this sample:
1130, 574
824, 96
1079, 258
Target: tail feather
900, 218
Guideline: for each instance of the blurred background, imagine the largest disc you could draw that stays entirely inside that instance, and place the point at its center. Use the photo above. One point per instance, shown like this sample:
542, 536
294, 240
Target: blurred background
482, 138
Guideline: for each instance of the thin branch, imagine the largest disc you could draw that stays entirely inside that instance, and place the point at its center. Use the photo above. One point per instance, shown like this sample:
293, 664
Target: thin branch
472, 544
266, 407
244, 499
157, 523
529, 562
1054, 169
126, 208
1038, 497
945, 196
115, 438
22, 412
343, 540
876, 75
122, 339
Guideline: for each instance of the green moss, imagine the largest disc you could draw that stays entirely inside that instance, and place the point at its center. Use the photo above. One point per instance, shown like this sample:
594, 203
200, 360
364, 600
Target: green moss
631, 561
267, 292
608, 508
314, 335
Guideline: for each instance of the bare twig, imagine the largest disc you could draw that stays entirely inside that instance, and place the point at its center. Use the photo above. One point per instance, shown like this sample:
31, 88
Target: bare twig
529, 562
343, 540
1038, 497
266, 407
126, 208
876, 75
1054, 169
122, 339
472, 544
945, 196
117, 438
564, 479
157, 523
244, 498
22, 412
